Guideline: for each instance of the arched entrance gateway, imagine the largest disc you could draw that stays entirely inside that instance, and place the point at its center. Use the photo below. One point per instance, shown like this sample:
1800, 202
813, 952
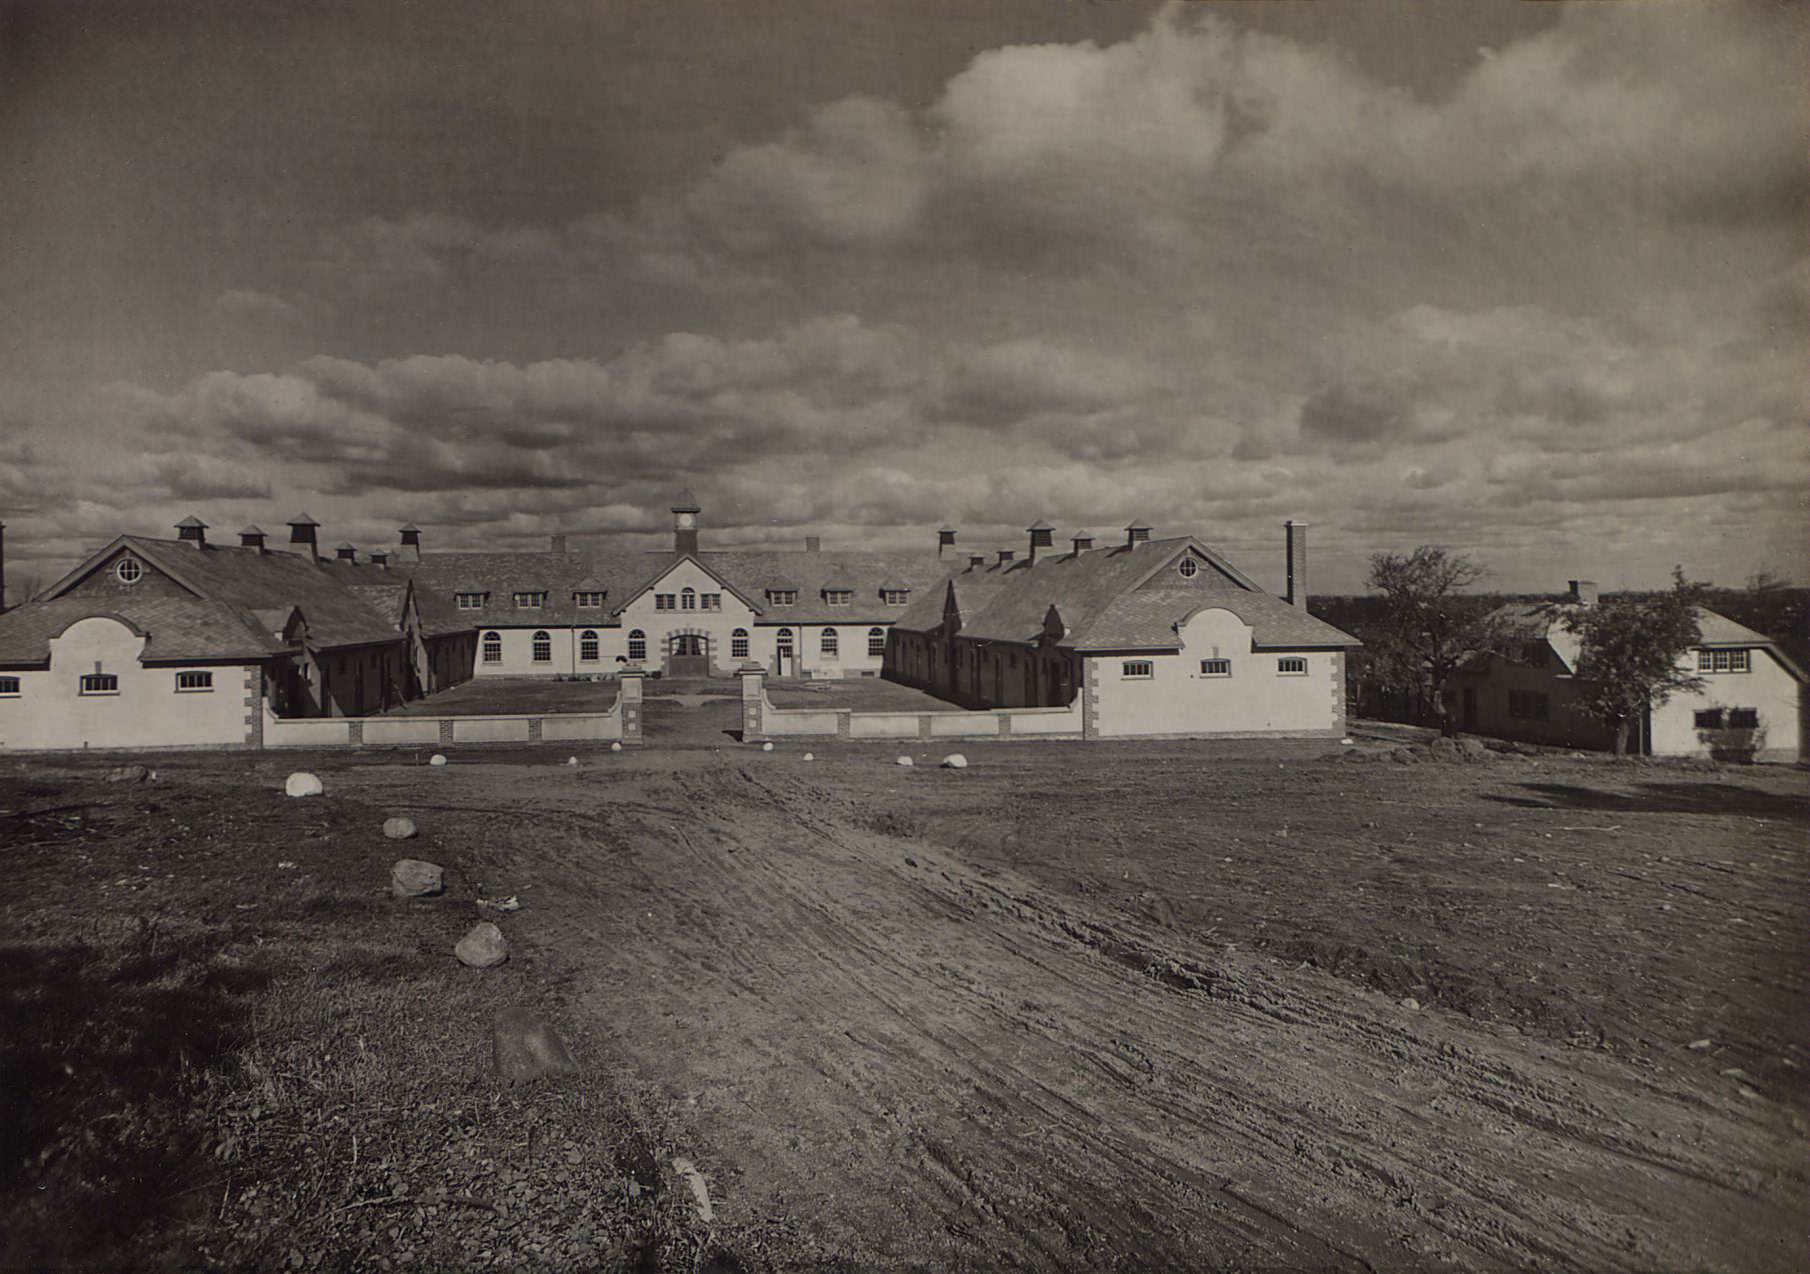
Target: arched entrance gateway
688, 655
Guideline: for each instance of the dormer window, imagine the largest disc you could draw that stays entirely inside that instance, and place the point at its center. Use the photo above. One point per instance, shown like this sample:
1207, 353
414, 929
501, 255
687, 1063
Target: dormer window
587, 601
470, 601
530, 601
839, 596
895, 596
782, 596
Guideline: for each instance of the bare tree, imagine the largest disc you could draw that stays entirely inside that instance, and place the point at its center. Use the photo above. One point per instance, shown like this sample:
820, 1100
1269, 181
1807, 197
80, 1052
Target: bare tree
1430, 628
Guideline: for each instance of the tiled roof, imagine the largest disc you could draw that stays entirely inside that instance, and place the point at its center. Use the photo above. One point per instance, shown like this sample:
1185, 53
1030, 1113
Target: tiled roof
180, 628
1096, 592
1530, 620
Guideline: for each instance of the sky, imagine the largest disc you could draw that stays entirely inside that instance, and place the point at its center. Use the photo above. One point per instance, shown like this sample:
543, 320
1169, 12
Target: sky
1530, 281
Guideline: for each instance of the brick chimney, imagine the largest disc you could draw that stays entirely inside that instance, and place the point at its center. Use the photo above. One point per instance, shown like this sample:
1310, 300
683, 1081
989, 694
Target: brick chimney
556, 543
1583, 592
380, 558
2, 567
813, 544
1043, 536
252, 537
1137, 532
410, 551
302, 529
945, 539
345, 552
1083, 540
1295, 535
192, 530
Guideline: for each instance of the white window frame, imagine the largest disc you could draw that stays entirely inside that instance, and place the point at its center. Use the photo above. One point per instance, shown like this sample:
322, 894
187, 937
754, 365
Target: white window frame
1284, 670
590, 650
688, 599
86, 692
783, 596
1724, 661
738, 644
1224, 668
204, 681
876, 642
11, 687
782, 642
1137, 670
838, 597
895, 596
1187, 568
829, 644
487, 643
530, 601
128, 570
637, 646
541, 638
710, 601
469, 601
587, 601
666, 601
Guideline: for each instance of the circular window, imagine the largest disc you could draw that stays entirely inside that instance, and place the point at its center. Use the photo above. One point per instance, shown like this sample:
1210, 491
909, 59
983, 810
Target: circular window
1188, 568
128, 570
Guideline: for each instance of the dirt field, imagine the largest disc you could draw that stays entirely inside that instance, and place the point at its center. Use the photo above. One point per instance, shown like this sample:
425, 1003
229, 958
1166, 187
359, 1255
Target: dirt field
1115, 1006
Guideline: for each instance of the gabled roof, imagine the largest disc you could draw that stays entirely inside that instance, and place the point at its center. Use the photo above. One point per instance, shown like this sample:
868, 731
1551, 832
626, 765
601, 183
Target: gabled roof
1104, 604
180, 627
1546, 620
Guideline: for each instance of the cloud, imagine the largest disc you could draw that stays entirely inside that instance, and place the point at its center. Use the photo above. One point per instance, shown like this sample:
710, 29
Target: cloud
241, 304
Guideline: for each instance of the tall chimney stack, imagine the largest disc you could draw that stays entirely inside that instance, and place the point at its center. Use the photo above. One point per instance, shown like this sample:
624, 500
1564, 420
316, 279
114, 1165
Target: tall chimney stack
410, 551
1043, 536
192, 530
1295, 533
945, 539
302, 530
1583, 592
2, 568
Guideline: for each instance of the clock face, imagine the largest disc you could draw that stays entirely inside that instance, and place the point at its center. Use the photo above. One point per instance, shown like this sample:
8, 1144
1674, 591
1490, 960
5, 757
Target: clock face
685, 520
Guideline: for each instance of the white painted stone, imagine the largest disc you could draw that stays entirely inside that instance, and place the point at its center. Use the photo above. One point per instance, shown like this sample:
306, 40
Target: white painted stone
399, 828
955, 761
904, 760
616, 746
809, 757
302, 783
766, 747
436, 759
571, 760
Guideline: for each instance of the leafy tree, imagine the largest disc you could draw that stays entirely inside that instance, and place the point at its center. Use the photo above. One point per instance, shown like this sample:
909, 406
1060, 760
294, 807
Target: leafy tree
1429, 627
1632, 655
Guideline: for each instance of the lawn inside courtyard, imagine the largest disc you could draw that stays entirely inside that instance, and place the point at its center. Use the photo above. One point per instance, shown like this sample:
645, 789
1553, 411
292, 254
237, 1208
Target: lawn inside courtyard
1112, 1005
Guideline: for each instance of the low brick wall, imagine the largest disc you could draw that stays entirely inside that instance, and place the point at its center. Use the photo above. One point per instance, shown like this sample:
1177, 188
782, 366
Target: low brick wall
621, 724
762, 721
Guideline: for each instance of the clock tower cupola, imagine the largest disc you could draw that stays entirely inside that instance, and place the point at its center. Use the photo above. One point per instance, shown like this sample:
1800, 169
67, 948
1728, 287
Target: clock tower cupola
685, 523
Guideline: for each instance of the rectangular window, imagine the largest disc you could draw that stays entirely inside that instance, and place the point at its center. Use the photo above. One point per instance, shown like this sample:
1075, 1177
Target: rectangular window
666, 601
1708, 718
783, 596
839, 597
471, 601
688, 600
1743, 718
1291, 666
187, 682
895, 596
1216, 667
588, 601
710, 601
530, 601
100, 683
1138, 669
9, 686
1724, 661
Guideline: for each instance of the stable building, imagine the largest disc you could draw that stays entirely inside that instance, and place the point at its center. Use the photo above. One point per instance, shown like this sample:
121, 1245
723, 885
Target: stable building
1164, 638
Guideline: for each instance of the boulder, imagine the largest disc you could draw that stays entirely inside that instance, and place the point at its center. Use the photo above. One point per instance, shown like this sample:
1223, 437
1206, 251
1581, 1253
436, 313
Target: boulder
766, 747
1473, 750
616, 746
571, 760
302, 783
482, 947
1443, 749
904, 760
436, 759
413, 878
524, 1047
128, 774
399, 828
955, 761
807, 757
1402, 755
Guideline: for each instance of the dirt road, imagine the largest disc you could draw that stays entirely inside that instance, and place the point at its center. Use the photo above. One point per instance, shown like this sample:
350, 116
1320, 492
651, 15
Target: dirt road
900, 1047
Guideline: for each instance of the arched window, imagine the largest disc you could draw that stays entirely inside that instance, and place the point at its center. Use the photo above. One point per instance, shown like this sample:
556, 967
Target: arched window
688, 599
738, 644
587, 646
783, 643
876, 642
827, 644
493, 648
543, 647
637, 646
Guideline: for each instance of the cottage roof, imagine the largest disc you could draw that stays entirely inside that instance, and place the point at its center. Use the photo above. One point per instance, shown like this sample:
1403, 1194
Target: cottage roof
1529, 621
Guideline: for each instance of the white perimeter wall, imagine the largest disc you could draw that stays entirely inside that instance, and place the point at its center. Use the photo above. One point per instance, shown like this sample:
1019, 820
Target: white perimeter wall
51, 712
1255, 699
